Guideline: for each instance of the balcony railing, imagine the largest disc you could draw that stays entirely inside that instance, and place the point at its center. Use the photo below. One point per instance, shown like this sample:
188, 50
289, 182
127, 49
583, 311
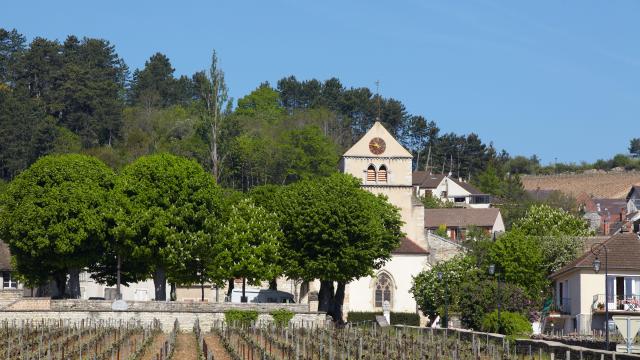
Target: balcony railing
561, 307
616, 303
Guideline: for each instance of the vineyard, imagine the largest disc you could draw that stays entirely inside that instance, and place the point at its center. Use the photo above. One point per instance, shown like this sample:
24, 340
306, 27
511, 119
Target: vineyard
240, 341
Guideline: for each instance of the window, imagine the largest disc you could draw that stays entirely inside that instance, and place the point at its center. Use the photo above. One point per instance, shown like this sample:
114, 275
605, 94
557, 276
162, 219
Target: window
384, 290
7, 281
382, 174
371, 173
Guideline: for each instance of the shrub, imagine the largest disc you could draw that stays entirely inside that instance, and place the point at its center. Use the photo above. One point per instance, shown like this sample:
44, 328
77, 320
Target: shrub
241, 317
511, 324
281, 317
397, 318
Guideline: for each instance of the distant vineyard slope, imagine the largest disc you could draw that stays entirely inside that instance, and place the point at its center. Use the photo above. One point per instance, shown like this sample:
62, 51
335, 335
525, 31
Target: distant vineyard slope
598, 184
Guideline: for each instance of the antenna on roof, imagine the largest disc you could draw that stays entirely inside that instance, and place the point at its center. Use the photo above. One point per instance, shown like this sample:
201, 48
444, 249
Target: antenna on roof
378, 99
426, 168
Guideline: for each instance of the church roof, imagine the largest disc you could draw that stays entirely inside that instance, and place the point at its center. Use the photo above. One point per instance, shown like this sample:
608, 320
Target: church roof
460, 217
392, 149
407, 246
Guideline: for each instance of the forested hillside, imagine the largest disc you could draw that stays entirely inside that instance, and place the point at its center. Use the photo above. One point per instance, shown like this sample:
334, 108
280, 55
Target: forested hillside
78, 95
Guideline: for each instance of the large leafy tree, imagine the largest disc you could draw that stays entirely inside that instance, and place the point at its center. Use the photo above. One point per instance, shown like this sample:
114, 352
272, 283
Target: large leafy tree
544, 220
336, 232
53, 217
250, 245
166, 213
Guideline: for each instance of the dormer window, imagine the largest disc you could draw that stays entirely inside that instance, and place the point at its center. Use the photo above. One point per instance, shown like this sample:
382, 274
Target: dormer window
371, 173
382, 174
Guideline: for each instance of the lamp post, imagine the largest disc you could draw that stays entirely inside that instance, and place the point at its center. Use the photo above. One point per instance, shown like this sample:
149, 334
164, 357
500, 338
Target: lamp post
492, 272
446, 301
595, 250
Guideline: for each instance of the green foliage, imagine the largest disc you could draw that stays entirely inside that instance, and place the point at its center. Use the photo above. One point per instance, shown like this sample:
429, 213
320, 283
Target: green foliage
543, 220
348, 231
429, 291
489, 181
397, 318
511, 324
53, 216
281, 317
634, 147
431, 202
167, 211
442, 231
249, 244
240, 317
518, 258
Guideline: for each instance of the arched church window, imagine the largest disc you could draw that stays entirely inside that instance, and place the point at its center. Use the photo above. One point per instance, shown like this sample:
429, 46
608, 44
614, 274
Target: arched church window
384, 290
382, 174
371, 173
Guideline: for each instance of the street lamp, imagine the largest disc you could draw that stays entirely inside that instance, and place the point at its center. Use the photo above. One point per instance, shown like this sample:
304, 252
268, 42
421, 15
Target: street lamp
595, 250
446, 301
492, 272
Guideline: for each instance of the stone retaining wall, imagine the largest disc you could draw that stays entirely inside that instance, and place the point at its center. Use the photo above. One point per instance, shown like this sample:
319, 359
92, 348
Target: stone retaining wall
147, 311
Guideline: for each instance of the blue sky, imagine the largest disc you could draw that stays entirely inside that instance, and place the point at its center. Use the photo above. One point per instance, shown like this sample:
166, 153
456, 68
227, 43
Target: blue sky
555, 78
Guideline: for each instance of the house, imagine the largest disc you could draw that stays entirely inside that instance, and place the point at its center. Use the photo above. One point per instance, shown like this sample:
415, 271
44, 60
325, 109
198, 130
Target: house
446, 188
7, 278
605, 216
579, 291
633, 208
459, 221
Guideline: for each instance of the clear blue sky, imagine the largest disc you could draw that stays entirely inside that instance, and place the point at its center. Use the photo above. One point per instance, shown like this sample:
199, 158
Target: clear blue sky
555, 78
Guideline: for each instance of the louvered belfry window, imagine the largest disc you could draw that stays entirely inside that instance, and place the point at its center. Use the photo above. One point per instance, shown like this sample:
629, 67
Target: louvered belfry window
382, 174
371, 174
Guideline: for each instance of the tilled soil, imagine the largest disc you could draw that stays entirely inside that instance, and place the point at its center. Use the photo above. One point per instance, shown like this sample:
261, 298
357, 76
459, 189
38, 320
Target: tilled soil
186, 347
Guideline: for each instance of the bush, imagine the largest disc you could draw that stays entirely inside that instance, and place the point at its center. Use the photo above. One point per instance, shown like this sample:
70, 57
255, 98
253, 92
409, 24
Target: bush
281, 317
511, 324
397, 318
241, 317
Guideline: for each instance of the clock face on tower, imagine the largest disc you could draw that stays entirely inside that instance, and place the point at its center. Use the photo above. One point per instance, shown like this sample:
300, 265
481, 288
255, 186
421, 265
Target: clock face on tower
377, 146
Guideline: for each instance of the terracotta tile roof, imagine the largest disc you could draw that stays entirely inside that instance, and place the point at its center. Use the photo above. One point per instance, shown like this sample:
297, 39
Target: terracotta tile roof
426, 180
460, 217
5, 256
408, 246
624, 254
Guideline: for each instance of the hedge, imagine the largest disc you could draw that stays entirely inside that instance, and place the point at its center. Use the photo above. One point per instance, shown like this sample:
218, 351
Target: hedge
397, 318
242, 317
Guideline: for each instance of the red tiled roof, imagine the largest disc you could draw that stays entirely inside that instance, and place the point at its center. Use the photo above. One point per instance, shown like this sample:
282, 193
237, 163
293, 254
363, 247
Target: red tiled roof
623, 254
408, 246
460, 217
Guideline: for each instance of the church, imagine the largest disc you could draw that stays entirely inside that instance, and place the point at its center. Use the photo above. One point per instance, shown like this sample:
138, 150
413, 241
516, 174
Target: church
385, 167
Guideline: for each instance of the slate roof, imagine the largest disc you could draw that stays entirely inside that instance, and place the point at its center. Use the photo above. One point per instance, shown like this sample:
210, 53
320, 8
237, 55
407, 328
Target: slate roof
408, 246
426, 180
470, 188
5, 256
460, 217
623, 254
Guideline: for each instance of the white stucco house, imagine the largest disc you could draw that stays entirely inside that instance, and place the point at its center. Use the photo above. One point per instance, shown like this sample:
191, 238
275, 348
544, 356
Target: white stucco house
443, 187
579, 292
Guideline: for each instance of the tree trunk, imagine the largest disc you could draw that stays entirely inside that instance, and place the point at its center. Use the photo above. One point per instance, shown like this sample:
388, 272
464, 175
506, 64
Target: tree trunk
61, 282
160, 284
337, 303
230, 290
273, 284
72, 290
325, 296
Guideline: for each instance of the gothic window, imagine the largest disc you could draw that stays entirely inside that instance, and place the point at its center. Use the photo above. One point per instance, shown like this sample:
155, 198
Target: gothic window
382, 174
384, 290
371, 174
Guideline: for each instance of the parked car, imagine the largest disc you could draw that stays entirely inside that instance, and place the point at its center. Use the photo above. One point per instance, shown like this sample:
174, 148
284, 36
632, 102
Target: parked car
262, 296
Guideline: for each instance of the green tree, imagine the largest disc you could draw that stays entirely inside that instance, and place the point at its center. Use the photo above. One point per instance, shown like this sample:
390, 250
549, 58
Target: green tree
634, 147
490, 182
52, 216
154, 85
251, 239
544, 220
336, 232
430, 292
263, 102
167, 210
